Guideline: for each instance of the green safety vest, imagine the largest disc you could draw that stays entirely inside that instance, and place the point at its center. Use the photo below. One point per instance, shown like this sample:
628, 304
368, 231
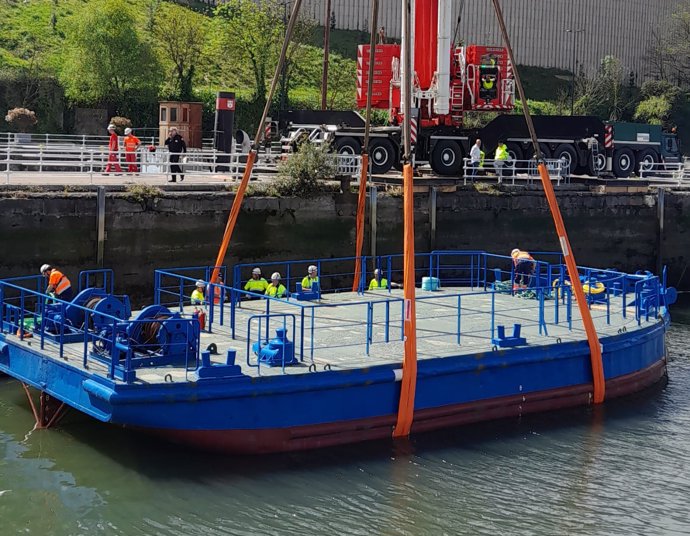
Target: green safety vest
198, 297
501, 153
276, 292
307, 281
256, 285
377, 285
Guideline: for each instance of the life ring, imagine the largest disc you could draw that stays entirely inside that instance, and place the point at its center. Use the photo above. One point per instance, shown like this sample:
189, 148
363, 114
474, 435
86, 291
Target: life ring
593, 288
556, 284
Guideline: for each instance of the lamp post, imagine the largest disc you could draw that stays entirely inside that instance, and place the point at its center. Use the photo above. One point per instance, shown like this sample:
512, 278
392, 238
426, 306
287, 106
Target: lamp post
574, 62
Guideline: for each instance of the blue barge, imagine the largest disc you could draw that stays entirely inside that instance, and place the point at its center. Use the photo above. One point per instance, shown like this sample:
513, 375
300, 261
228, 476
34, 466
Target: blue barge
307, 371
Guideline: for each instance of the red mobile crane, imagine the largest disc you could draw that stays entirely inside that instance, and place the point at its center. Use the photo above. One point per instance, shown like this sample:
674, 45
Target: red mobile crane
450, 80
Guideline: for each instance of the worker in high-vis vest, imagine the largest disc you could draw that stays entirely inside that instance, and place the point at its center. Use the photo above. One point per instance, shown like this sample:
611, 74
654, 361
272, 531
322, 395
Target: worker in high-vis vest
524, 268
131, 143
58, 283
381, 283
500, 158
198, 296
256, 284
275, 289
310, 278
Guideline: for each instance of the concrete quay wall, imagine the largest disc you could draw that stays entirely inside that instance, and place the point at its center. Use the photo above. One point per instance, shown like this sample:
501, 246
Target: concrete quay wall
183, 226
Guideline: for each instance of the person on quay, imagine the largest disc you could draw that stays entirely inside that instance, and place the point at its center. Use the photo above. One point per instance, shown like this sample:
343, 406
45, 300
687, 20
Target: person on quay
198, 296
113, 152
176, 146
500, 158
275, 289
381, 283
131, 143
524, 268
311, 278
256, 284
58, 283
475, 157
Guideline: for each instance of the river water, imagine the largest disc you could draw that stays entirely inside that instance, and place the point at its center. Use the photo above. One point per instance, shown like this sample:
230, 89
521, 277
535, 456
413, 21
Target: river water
623, 469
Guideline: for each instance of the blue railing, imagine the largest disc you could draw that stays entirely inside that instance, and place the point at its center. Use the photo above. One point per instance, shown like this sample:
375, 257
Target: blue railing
96, 337
471, 282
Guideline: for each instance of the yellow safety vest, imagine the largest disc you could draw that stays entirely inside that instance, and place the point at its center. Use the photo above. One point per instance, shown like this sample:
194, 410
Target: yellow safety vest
501, 153
256, 285
275, 292
197, 297
378, 285
307, 281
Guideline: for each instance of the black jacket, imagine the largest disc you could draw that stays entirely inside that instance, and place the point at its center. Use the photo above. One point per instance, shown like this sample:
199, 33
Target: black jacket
176, 144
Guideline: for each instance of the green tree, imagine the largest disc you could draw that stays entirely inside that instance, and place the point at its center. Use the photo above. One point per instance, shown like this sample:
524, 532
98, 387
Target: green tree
605, 94
660, 101
246, 40
180, 35
106, 60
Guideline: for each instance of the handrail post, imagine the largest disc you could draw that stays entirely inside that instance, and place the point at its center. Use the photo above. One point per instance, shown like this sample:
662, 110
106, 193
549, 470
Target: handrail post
493, 313
459, 315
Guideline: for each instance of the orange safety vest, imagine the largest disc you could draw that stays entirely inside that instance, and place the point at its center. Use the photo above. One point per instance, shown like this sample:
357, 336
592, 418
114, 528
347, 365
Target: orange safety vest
522, 256
131, 143
59, 282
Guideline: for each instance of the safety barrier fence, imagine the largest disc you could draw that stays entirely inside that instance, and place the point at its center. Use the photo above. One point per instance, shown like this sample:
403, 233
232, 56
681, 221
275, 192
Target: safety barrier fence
356, 325
521, 170
673, 173
95, 161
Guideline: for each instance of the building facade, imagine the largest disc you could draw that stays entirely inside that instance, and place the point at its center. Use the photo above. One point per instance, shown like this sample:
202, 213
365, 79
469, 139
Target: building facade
567, 34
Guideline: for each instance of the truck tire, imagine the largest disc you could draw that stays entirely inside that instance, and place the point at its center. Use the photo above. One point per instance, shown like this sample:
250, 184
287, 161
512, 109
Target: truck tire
348, 146
567, 151
515, 152
646, 160
446, 157
594, 167
545, 151
382, 155
623, 162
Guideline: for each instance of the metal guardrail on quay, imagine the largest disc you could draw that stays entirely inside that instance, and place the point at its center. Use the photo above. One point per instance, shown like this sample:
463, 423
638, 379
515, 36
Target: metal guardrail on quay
55, 159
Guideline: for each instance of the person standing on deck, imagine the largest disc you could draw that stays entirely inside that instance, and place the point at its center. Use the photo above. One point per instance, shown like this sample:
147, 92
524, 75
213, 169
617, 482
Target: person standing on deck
275, 289
113, 152
176, 146
131, 143
310, 278
257, 283
58, 283
524, 268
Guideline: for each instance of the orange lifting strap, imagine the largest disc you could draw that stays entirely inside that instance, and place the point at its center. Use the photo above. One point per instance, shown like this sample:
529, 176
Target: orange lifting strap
409, 376
234, 213
592, 338
598, 379
361, 207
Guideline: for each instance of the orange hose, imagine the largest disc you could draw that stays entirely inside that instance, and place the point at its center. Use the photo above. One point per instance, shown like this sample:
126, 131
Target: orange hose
361, 207
592, 338
409, 375
234, 213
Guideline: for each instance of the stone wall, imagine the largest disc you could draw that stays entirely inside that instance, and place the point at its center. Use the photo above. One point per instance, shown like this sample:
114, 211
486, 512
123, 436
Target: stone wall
183, 227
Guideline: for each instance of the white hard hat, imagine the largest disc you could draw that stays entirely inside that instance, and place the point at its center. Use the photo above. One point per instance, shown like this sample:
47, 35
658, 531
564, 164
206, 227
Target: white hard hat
200, 283
312, 268
111, 126
377, 271
128, 131
256, 271
275, 275
514, 252
45, 267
